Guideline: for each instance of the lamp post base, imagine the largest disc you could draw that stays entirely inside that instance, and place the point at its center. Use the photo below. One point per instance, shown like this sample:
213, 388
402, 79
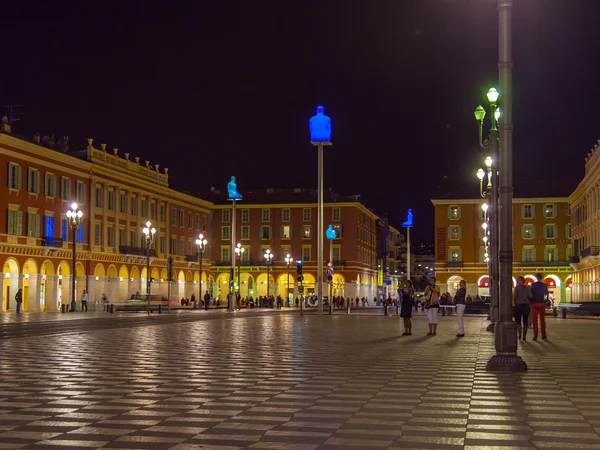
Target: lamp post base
490, 327
506, 358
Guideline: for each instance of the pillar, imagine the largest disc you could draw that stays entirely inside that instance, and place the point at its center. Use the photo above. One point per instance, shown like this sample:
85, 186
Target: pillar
65, 290
51, 293
189, 289
112, 289
33, 302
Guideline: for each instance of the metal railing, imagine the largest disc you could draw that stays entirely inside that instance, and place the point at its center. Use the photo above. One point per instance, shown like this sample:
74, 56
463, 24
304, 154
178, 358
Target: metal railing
455, 263
543, 263
590, 251
138, 251
49, 241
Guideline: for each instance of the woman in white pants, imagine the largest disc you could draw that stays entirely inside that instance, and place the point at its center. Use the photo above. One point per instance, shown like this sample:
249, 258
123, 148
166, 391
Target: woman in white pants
432, 304
461, 304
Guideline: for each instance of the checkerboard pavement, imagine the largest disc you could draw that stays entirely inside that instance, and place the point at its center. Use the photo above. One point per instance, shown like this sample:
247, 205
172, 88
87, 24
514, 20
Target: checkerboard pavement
282, 381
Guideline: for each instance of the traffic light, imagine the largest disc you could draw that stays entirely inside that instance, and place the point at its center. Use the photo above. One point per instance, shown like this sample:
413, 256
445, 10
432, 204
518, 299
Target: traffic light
299, 266
151, 279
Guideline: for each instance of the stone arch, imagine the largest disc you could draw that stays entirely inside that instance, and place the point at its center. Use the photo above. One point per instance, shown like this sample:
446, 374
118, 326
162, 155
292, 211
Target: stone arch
222, 286
134, 272
154, 273
196, 277
79, 270
30, 267
10, 284
112, 271
99, 270
63, 268
47, 268
123, 272
530, 279
554, 288
188, 276
181, 276
164, 274
452, 284
338, 284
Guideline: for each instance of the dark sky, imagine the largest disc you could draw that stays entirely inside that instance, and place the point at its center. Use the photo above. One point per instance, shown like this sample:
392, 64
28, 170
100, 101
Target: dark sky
210, 91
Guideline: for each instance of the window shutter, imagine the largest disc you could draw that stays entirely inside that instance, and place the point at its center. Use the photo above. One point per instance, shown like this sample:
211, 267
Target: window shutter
37, 225
533, 231
546, 254
523, 235
19, 228
30, 177
37, 182
340, 228
19, 174
449, 234
449, 212
10, 175
270, 230
260, 232
459, 234
522, 211
281, 232
290, 236
533, 211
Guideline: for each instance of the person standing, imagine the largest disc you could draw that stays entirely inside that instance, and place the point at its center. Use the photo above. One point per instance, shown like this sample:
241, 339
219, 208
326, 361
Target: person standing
84, 301
460, 301
432, 304
539, 296
19, 300
407, 296
522, 300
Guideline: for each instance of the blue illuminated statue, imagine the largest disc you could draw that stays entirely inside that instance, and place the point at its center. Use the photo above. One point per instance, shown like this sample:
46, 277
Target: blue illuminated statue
232, 189
409, 219
320, 126
330, 232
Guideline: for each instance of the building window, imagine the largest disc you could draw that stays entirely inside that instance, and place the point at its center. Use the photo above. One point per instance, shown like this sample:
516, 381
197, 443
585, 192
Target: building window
190, 219
454, 233
144, 208
550, 231
153, 210
65, 189
266, 215
81, 192
285, 214
550, 254
33, 181
122, 236
123, 202
245, 215
286, 232
110, 236
189, 247
163, 245
550, 210
306, 253
49, 226
97, 235
338, 231
112, 196
337, 251
455, 254
197, 221
50, 185
454, 212
226, 216
226, 253
204, 223
181, 216
14, 176
173, 245
245, 232
528, 231
306, 214
134, 206
33, 225
133, 238
527, 211
568, 231
265, 232
336, 214
99, 197
306, 231
181, 247
225, 232
568, 209
528, 254
161, 213
63, 229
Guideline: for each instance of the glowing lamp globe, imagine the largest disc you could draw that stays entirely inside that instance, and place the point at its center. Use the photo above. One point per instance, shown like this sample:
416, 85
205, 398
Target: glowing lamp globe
479, 113
493, 95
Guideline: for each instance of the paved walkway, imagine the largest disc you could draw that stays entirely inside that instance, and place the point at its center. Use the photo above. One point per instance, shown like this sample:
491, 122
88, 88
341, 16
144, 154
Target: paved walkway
280, 381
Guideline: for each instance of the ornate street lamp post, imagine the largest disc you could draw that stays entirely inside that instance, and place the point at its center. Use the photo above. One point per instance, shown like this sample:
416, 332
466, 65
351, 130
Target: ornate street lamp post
288, 261
74, 214
149, 232
239, 253
200, 246
268, 260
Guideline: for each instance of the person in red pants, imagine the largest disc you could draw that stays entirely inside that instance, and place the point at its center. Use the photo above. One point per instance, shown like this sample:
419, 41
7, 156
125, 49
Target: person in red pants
539, 296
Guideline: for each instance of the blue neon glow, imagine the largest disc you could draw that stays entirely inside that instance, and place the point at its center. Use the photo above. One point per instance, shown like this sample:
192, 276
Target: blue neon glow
409, 219
330, 232
232, 189
320, 126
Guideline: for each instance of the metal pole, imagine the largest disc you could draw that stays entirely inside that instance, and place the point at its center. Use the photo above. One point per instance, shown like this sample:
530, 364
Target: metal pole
74, 271
231, 301
408, 253
239, 260
320, 233
268, 280
330, 282
200, 274
505, 334
493, 209
148, 273
288, 289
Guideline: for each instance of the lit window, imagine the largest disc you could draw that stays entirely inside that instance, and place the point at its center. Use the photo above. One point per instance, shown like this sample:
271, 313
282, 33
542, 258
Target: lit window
550, 210
307, 231
286, 232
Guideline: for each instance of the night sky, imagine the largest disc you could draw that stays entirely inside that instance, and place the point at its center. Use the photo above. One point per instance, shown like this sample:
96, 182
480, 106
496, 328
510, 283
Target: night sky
211, 91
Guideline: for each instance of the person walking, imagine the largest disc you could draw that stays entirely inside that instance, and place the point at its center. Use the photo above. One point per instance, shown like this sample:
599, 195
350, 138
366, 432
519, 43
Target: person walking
432, 305
521, 301
84, 301
407, 296
539, 296
19, 300
460, 301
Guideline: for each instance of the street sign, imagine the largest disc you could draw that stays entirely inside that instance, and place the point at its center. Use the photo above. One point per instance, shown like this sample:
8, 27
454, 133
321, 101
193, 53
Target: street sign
329, 271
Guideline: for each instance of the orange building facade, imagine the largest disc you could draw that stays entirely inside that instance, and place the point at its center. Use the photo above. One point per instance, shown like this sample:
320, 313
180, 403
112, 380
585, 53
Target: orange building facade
541, 244
117, 195
285, 222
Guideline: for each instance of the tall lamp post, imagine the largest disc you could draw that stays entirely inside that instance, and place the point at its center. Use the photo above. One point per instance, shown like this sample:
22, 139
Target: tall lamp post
74, 214
149, 232
239, 252
268, 260
491, 193
200, 246
288, 261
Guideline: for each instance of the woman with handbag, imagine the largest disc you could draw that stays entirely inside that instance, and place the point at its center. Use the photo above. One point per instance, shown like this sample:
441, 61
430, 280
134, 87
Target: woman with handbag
432, 305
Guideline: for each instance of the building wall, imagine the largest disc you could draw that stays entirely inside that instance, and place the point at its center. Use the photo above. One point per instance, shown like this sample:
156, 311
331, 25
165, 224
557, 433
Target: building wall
541, 243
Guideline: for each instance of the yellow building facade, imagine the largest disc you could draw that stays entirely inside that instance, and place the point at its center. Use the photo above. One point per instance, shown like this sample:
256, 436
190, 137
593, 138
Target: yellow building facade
541, 244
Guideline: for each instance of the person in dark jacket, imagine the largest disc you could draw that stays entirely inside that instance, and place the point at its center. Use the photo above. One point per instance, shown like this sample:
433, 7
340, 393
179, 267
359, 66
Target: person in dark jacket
522, 301
406, 294
461, 303
539, 296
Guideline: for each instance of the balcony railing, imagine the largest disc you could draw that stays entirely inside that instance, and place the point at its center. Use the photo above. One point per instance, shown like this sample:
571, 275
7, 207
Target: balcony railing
52, 242
138, 251
455, 263
574, 259
543, 263
590, 251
